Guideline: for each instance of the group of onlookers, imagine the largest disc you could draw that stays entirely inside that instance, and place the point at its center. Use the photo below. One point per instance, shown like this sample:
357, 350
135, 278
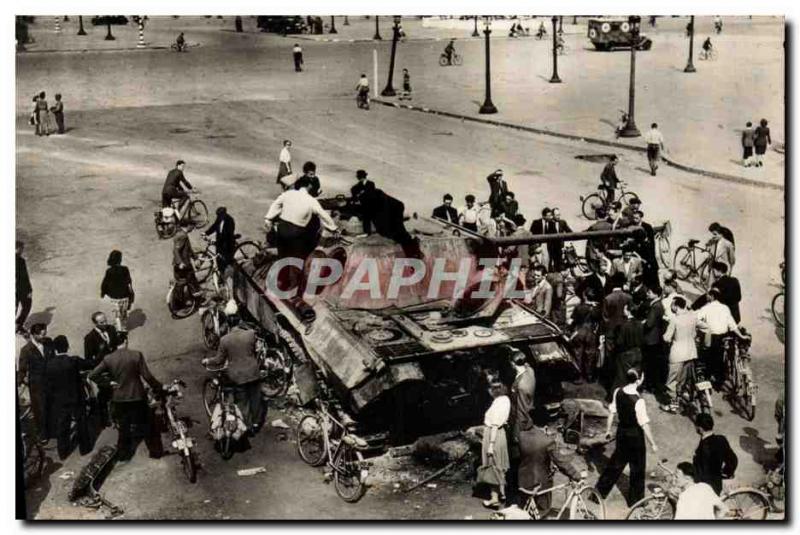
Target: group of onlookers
40, 117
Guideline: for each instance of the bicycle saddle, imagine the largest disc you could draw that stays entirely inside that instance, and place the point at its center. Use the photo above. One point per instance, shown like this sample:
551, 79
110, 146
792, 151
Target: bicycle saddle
692, 243
237, 236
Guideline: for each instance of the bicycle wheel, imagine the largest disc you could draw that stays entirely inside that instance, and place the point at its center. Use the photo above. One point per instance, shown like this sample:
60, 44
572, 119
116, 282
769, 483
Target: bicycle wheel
33, 454
277, 371
310, 440
443, 61
626, 197
204, 265
590, 205
654, 507
212, 332
587, 504
663, 248
457, 60
181, 302
778, 310
189, 467
246, 250
683, 263
347, 474
198, 213
210, 394
747, 504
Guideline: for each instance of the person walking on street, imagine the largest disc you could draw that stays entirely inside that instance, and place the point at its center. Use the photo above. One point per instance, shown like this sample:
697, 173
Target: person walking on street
297, 53
43, 124
748, 142
762, 139
680, 334
655, 145
714, 459
58, 113
31, 370
284, 161
66, 399
494, 446
697, 500
609, 181
633, 429
118, 287
24, 290
406, 93
127, 369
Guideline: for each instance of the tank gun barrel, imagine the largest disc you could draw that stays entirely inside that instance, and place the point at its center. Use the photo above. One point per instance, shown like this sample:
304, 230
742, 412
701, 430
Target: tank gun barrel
506, 241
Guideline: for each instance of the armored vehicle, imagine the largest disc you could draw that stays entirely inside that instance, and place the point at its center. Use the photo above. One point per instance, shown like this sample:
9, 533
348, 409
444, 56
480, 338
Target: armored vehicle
607, 33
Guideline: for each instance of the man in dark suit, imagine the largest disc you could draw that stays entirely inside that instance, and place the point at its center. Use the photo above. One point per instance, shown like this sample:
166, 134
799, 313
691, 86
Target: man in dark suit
237, 349
730, 292
24, 290
32, 368
615, 303
362, 188
543, 225
596, 247
598, 282
67, 401
654, 355
99, 342
609, 180
497, 191
714, 460
387, 215
446, 211
175, 186
646, 248
555, 249
224, 228
523, 389
127, 368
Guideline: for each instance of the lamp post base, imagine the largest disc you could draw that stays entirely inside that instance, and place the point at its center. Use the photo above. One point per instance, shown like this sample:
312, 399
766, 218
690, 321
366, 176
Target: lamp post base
630, 130
689, 68
377, 37
555, 79
487, 108
388, 92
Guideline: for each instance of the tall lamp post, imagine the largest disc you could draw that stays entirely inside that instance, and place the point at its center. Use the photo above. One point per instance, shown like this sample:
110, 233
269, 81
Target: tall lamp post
377, 35
388, 91
109, 37
690, 65
630, 129
475, 31
346, 22
333, 25
560, 24
81, 31
488, 105
555, 79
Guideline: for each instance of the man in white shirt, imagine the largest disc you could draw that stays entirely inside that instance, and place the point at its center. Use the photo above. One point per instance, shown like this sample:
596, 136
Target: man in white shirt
291, 212
468, 215
655, 144
297, 52
697, 501
285, 161
717, 316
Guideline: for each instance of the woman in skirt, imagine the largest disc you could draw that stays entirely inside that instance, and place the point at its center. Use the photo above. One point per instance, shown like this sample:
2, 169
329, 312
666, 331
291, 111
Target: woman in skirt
118, 287
494, 448
761, 142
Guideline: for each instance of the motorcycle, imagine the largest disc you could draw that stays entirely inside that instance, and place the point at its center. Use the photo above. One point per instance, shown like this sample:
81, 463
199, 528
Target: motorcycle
181, 441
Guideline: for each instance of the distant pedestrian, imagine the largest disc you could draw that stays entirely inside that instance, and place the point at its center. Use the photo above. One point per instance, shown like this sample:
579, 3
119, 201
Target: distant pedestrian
655, 144
406, 94
285, 160
118, 287
714, 459
43, 124
609, 180
762, 139
494, 447
24, 290
58, 113
633, 428
748, 142
297, 53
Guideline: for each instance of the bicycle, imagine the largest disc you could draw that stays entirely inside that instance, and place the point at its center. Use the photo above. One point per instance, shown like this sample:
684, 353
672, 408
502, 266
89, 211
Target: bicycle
709, 55
33, 456
322, 439
181, 441
777, 306
577, 265
362, 100
181, 301
695, 393
687, 267
742, 388
662, 244
455, 61
225, 420
167, 219
593, 201
582, 501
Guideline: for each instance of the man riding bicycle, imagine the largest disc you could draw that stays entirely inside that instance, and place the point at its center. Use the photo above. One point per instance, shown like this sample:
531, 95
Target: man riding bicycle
449, 51
707, 46
542, 31
174, 187
608, 179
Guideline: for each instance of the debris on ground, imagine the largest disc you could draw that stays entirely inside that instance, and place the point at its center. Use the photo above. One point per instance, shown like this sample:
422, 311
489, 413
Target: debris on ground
66, 475
279, 424
251, 471
430, 486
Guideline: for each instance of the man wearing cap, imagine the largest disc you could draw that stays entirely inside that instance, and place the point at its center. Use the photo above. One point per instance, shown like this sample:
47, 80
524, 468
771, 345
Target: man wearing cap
174, 186
237, 352
446, 211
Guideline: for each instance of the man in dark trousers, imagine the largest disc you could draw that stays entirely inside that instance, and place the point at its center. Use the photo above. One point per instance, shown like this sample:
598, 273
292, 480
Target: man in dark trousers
555, 249
174, 186
362, 188
730, 292
67, 402
633, 428
99, 342
497, 191
523, 389
654, 355
127, 369
387, 215
24, 290
714, 460
33, 358
609, 181
645, 247
297, 53
615, 303
58, 113
446, 211
183, 256
224, 229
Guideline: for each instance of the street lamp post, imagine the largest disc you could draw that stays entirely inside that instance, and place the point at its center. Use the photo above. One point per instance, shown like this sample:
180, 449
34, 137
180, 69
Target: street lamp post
346, 22
574, 19
690, 65
488, 105
630, 129
333, 25
388, 91
555, 79
81, 31
475, 31
109, 37
377, 35
560, 24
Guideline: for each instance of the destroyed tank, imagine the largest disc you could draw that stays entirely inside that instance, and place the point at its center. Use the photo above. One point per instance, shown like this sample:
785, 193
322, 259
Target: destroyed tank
413, 359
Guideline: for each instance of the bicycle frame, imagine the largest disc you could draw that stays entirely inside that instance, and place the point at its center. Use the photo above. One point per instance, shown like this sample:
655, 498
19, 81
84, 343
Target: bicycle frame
575, 489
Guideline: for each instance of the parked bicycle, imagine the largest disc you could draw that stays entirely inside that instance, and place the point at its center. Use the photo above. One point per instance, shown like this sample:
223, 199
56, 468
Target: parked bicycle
694, 396
663, 247
577, 265
741, 386
324, 439
456, 60
581, 500
167, 219
693, 263
181, 441
599, 199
